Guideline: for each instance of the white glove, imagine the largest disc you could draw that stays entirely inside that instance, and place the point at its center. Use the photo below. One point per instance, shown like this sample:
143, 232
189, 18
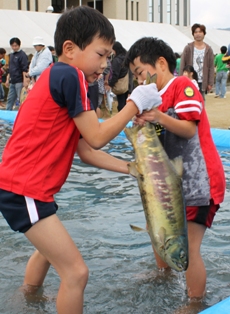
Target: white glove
146, 97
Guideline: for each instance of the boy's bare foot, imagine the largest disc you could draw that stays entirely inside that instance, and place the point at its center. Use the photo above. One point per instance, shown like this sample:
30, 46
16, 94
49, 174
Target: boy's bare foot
194, 306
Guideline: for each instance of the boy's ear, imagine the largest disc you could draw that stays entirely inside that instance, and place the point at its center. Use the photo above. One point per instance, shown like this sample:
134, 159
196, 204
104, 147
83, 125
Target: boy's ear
162, 62
68, 48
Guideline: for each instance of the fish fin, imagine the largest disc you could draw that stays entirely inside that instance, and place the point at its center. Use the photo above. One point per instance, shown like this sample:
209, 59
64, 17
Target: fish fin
138, 229
162, 236
150, 79
129, 133
178, 165
132, 169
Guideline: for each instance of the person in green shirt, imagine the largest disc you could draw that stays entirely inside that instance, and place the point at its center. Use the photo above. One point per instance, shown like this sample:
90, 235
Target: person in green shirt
177, 69
221, 74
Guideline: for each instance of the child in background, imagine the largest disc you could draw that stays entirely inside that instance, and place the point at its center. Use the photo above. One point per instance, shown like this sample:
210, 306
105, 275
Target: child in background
186, 132
56, 120
2, 71
191, 74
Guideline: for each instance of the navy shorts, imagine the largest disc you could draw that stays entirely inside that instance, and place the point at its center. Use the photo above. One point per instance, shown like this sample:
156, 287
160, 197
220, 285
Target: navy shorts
22, 212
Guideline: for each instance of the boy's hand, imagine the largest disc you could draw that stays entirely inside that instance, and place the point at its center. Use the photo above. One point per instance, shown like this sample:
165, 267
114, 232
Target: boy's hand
152, 116
146, 97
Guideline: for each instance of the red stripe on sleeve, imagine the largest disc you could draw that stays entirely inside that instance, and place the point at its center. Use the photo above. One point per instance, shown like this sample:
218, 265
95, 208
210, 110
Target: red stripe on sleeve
84, 91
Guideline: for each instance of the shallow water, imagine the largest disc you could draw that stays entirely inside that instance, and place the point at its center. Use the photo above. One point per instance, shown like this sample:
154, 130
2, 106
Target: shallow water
97, 206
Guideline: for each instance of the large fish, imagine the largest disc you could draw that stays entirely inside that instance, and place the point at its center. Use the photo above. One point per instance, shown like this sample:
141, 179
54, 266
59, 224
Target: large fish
160, 185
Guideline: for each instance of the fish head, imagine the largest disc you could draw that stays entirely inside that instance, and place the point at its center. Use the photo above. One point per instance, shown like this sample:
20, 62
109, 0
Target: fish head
176, 253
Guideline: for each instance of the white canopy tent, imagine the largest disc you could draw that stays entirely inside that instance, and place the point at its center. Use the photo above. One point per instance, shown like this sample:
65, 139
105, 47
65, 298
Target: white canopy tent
26, 25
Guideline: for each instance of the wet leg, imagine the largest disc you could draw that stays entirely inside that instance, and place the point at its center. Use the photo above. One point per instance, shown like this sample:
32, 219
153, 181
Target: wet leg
56, 246
196, 273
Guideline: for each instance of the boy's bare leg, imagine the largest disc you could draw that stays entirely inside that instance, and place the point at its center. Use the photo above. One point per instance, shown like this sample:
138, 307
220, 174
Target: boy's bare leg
160, 263
36, 270
56, 246
196, 273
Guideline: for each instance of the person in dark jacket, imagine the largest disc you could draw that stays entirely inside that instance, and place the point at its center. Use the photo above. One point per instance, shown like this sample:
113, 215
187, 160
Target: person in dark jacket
18, 68
120, 71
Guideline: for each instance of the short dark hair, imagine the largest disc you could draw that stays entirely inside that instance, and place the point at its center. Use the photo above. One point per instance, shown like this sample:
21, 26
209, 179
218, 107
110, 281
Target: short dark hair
223, 49
81, 25
2, 51
51, 48
177, 55
201, 26
118, 48
149, 50
15, 40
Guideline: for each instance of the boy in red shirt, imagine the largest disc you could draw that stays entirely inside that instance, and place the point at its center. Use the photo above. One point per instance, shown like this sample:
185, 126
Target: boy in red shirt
185, 131
46, 134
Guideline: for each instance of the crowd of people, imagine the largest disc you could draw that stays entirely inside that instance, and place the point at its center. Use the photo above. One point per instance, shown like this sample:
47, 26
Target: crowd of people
20, 72
62, 119
197, 58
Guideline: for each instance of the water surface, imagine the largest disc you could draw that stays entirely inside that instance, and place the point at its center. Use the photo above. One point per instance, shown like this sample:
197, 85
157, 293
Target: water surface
97, 206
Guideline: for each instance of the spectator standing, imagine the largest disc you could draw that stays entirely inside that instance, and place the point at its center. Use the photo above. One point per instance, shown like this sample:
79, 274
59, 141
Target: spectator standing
103, 83
54, 56
200, 55
177, 69
119, 71
2, 71
221, 73
41, 59
16, 78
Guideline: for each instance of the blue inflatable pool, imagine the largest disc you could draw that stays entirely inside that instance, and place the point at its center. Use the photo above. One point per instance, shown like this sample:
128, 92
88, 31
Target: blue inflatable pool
221, 137
222, 307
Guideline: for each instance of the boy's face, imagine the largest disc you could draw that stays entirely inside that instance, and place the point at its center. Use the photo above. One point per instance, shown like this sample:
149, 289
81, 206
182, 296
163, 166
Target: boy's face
93, 59
140, 70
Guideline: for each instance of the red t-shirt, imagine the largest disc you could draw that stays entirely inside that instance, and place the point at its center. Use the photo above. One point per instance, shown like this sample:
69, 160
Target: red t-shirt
182, 96
37, 158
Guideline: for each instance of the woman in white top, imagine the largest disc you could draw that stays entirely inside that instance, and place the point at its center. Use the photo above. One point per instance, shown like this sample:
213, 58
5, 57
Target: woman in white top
41, 59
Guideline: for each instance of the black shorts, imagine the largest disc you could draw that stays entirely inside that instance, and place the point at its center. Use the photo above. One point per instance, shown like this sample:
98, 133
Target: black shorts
203, 215
22, 212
